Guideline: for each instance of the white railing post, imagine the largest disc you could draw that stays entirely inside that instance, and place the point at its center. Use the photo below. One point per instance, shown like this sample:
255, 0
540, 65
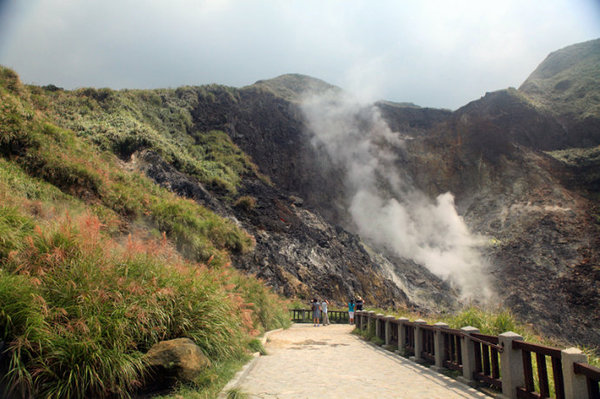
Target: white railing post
401, 335
511, 365
438, 346
468, 355
575, 385
418, 341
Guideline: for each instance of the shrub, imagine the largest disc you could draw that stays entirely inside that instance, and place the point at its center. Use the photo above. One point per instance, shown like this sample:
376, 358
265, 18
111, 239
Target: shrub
246, 202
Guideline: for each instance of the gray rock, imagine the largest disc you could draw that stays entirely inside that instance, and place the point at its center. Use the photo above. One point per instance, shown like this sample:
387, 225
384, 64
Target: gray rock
180, 358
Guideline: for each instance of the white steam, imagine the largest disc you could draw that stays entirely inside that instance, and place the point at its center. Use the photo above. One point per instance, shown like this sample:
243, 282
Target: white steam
386, 208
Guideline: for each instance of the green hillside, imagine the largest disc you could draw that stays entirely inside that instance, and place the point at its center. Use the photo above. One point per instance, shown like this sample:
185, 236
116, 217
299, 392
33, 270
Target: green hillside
98, 263
568, 82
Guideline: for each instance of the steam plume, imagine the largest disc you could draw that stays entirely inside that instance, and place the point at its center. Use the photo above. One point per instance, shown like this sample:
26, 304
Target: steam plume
386, 208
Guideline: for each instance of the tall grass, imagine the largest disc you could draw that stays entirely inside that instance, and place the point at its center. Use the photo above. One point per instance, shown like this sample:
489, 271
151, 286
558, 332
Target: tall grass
88, 307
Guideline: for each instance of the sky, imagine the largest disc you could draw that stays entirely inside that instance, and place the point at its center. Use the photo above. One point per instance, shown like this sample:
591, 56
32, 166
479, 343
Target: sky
432, 53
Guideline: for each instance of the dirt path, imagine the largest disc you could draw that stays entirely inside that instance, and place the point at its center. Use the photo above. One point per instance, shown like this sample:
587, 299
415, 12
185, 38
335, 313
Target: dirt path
329, 362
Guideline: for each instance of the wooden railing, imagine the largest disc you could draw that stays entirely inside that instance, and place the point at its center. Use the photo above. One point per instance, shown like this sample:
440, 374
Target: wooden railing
592, 377
408, 346
305, 316
519, 369
487, 359
452, 349
542, 353
428, 339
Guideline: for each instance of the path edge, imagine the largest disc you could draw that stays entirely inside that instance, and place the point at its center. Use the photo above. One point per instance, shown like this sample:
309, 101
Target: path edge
240, 375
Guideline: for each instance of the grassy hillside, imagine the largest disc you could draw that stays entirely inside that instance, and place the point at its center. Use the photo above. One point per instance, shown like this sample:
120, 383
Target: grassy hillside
98, 263
568, 82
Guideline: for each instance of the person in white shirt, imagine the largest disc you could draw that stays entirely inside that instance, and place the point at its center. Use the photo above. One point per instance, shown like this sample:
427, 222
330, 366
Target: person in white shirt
324, 312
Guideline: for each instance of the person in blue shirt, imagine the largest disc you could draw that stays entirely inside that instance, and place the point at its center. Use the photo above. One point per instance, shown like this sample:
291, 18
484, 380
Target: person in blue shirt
351, 306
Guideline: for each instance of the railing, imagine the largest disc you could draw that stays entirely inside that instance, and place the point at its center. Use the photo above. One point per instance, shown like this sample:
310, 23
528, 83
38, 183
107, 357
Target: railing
503, 362
409, 340
487, 359
592, 377
380, 327
428, 339
305, 316
529, 390
394, 333
452, 349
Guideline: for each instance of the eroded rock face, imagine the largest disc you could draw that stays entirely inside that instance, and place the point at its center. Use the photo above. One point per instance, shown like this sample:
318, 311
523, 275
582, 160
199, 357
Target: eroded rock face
180, 358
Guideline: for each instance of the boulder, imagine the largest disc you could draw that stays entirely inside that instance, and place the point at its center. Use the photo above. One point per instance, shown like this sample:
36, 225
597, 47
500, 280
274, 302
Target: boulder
180, 358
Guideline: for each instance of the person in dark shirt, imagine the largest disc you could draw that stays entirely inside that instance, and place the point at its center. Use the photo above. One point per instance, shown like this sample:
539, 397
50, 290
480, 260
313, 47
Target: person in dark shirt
359, 303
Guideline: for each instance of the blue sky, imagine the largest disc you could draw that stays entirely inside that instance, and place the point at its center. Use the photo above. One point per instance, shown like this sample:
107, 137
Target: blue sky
432, 53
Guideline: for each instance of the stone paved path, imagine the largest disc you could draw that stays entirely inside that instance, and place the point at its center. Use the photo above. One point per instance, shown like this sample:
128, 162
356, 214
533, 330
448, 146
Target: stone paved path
329, 362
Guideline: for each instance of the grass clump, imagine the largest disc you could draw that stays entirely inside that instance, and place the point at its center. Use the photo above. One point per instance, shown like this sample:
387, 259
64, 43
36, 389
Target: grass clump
487, 322
256, 346
246, 203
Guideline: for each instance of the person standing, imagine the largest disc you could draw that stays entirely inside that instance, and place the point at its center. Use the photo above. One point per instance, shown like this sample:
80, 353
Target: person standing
351, 306
324, 312
316, 309
359, 303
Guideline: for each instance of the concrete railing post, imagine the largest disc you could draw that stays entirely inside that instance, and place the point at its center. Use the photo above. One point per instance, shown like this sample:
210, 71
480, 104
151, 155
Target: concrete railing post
468, 355
575, 384
388, 329
418, 341
401, 335
358, 317
438, 346
511, 365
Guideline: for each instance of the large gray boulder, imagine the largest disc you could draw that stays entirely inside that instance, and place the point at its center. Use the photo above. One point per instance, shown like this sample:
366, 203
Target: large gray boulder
180, 358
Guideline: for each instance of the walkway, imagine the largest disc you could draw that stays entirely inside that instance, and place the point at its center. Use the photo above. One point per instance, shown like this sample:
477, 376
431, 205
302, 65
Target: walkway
329, 362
